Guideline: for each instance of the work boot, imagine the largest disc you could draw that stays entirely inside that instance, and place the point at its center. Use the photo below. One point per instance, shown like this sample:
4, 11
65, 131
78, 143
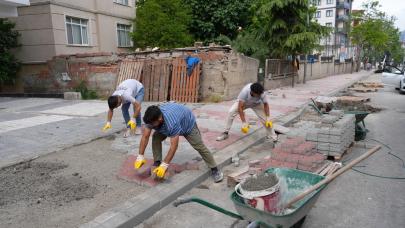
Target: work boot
217, 175
223, 136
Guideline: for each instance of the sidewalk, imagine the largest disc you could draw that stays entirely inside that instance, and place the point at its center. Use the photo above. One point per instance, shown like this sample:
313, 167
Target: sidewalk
211, 120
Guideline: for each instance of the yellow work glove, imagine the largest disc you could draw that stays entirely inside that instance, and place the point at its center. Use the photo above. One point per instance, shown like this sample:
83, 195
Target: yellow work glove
107, 126
131, 124
161, 170
139, 162
245, 128
268, 123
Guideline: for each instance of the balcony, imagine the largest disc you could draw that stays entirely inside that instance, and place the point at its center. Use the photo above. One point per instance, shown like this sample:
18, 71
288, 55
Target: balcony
341, 30
342, 18
342, 5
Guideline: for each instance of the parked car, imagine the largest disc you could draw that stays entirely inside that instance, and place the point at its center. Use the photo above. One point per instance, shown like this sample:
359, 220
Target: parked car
393, 76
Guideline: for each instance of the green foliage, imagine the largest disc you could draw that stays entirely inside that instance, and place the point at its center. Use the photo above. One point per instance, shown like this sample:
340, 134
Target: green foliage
246, 42
8, 63
85, 92
213, 18
162, 23
376, 33
282, 25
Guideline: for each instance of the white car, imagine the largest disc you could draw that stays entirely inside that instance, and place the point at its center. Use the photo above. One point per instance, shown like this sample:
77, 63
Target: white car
394, 77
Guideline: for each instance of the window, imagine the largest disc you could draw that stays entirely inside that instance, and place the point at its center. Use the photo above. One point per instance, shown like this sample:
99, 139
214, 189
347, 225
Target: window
317, 14
329, 2
318, 2
328, 24
77, 31
124, 39
329, 13
122, 2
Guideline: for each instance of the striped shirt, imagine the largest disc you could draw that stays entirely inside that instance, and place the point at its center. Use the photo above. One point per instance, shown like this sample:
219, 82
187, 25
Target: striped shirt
178, 120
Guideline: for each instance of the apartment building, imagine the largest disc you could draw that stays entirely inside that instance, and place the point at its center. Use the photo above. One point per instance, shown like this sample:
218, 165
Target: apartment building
54, 27
335, 14
8, 8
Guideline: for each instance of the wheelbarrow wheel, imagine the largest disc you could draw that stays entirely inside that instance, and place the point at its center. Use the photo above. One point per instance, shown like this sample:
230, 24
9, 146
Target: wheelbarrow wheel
299, 223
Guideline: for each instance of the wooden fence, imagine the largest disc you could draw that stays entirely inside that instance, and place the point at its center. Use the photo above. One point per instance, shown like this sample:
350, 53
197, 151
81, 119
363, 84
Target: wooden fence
130, 69
184, 88
156, 79
163, 79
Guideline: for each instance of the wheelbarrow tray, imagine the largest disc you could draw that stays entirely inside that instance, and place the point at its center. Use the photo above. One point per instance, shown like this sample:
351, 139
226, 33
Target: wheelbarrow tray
360, 115
294, 179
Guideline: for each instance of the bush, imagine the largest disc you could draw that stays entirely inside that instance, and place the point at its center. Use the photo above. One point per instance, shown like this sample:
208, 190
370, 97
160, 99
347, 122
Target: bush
86, 93
8, 63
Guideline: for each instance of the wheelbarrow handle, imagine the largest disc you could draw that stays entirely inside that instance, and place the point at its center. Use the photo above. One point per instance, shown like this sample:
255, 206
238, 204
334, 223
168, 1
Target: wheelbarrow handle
181, 201
207, 204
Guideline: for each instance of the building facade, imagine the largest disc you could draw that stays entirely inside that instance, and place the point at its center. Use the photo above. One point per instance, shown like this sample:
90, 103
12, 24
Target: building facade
8, 8
57, 27
335, 14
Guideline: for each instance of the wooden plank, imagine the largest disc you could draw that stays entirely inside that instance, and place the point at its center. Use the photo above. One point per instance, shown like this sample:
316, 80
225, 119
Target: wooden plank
322, 168
165, 78
158, 78
197, 82
153, 81
188, 82
174, 80
146, 78
183, 82
191, 86
177, 82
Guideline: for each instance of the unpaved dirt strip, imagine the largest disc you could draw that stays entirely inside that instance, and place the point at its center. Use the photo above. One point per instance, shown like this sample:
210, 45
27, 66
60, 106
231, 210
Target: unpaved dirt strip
64, 189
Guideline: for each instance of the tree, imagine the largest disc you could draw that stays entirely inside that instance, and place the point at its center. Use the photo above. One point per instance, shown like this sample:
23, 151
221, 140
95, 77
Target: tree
213, 18
375, 35
8, 63
283, 26
162, 23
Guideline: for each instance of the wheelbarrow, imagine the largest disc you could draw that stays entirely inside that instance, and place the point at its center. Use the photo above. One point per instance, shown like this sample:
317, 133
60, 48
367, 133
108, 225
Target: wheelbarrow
296, 181
310, 185
360, 127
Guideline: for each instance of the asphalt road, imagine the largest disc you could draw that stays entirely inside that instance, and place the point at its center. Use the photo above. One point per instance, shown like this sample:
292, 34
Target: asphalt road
358, 200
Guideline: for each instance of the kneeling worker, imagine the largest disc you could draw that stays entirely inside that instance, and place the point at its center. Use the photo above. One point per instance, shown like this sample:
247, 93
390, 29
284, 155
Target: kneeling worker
172, 120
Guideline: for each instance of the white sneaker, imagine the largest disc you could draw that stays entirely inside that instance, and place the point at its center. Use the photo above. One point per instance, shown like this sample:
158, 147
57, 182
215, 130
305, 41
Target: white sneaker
127, 133
138, 131
222, 137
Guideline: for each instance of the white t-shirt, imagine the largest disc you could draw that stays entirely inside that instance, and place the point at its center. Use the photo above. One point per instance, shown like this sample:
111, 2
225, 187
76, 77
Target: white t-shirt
128, 90
250, 101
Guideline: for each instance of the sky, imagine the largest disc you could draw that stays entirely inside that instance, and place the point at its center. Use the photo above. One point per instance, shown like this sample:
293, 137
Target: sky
391, 7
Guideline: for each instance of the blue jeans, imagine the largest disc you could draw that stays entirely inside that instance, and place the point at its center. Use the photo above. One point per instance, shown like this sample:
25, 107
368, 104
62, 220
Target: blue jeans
125, 109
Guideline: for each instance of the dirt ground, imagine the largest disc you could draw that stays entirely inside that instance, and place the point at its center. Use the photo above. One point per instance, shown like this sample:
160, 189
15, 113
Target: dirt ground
64, 189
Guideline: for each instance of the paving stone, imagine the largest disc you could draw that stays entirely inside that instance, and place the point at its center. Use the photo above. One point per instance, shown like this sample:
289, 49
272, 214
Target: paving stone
311, 136
327, 119
323, 138
254, 163
336, 131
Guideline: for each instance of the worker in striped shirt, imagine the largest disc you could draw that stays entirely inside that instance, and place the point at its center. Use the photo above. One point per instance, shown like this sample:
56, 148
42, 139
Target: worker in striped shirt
172, 120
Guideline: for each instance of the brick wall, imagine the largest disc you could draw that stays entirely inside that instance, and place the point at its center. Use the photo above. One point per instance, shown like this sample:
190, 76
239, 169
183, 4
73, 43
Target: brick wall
224, 72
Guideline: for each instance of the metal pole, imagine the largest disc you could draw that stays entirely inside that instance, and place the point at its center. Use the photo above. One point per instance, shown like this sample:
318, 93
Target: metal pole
306, 52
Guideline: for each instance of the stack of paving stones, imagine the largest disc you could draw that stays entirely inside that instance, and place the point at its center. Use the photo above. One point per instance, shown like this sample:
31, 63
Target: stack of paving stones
333, 133
294, 153
143, 176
